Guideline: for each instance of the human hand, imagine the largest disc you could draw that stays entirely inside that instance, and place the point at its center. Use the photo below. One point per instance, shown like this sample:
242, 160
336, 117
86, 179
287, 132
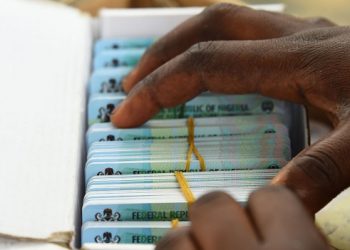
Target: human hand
273, 219
219, 22
280, 56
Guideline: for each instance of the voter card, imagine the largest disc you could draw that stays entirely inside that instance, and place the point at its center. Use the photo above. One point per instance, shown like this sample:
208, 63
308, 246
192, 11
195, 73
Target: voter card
117, 58
106, 131
207, 105
108, 80
101, 106
122, 43
126, 232
148, 205
144, 133
171, 165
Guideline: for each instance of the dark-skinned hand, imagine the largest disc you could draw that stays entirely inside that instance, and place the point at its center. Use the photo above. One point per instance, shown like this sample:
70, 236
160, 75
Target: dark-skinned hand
236, 50
273, 219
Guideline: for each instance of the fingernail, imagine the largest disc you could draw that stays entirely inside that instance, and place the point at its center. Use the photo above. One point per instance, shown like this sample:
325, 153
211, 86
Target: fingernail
115, 110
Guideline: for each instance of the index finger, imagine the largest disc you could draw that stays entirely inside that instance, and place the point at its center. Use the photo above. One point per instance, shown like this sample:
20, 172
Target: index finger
234, 67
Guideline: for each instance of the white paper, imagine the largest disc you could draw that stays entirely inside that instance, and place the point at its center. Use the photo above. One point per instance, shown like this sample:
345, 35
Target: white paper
44, 63
149, 22
11, 244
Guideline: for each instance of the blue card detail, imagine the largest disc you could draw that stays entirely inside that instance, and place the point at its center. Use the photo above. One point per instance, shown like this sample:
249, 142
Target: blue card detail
114, 44
109, 210
100, 132
117, 58
114, 233
100, 235
101, 106
107, 80
121, 167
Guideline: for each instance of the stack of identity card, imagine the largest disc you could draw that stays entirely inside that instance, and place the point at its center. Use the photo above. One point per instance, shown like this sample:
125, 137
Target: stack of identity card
139, 181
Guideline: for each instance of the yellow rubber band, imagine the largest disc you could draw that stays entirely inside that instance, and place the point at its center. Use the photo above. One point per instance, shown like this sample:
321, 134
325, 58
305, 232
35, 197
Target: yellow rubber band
174, 223
185, 188
186, 191
188, 157
192, 147
199, 158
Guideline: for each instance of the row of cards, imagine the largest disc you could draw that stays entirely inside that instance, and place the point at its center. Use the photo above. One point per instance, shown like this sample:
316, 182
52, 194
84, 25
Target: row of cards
225, 146
120, 205
100, 106
132, 194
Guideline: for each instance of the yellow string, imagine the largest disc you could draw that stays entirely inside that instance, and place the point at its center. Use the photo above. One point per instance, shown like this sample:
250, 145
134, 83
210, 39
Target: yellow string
186, 191
174, 223
199, 158
189, 156
185, 188
192, 147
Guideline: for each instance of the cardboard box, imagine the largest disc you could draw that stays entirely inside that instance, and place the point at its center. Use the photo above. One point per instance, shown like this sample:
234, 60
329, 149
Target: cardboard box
46, 53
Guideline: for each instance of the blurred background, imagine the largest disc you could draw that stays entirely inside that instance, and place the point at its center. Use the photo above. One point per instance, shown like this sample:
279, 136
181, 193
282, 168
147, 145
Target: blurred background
336, 10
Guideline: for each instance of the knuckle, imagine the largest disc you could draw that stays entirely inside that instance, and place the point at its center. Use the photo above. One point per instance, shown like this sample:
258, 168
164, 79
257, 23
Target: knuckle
148, 84
212, 17
198, 50
317, 178
200, 54
322, 61
157, 50
321, 168
200, 58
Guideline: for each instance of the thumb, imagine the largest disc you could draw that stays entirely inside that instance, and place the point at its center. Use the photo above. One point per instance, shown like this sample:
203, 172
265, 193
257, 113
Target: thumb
320, 172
